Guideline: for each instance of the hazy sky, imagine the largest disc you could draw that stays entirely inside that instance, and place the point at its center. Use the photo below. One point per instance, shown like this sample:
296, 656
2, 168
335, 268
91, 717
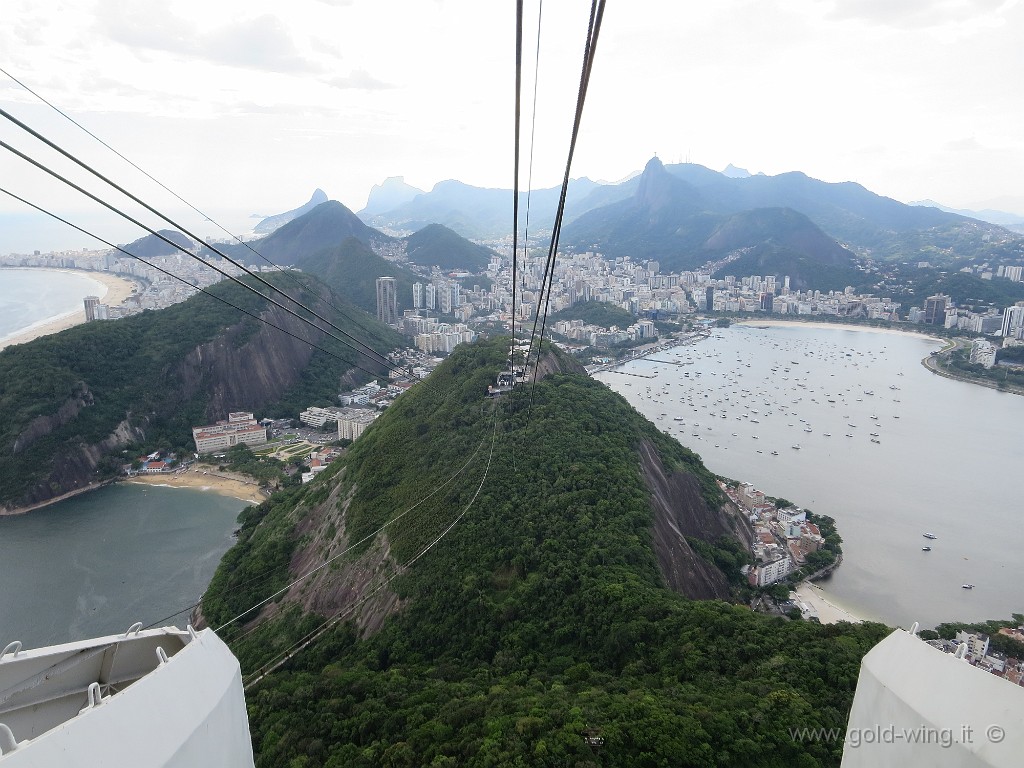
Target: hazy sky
246, 107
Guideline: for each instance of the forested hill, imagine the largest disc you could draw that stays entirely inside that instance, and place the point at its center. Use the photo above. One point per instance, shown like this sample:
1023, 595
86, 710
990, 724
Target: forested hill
437, 245
543, 616
73, 401
351, 268
325, 226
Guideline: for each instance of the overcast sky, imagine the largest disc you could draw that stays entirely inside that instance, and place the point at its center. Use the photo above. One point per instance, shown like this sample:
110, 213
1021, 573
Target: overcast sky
246, 107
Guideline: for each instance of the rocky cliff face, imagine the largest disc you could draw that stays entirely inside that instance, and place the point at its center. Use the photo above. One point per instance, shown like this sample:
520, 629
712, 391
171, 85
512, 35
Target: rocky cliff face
235, 371
681, 511
41, 426
349, 587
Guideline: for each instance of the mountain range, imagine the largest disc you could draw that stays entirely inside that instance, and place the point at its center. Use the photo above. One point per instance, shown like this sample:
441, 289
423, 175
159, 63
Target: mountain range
1012, 221
474, 212
685, 215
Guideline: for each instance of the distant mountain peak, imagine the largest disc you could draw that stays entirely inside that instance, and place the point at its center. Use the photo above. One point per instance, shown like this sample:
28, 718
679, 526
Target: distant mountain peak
658, 188
653, 164
733, 172
272, 223
388, 195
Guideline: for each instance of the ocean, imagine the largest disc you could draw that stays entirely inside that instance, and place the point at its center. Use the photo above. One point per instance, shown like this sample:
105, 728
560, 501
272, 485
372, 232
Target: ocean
94, 564
30, 297
888, 449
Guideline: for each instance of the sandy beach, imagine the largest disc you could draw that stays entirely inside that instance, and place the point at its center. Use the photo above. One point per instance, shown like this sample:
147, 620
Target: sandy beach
208, 479
838, 326
827, 611
117, 290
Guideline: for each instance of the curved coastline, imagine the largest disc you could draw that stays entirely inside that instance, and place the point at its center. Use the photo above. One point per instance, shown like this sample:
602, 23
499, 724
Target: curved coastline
775, 322
220, 483
7, 511
928, 361
116, 290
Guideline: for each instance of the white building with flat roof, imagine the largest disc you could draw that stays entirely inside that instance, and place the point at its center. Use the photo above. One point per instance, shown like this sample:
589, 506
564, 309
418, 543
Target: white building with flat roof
240, 427
352, 422
317, 417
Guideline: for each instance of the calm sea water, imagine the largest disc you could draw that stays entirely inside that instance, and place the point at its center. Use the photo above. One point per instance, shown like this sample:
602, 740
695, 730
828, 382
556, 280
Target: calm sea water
32, 296
95, 564
946, 460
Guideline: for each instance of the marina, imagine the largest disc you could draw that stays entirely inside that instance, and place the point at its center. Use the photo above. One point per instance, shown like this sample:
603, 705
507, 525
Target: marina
909, 472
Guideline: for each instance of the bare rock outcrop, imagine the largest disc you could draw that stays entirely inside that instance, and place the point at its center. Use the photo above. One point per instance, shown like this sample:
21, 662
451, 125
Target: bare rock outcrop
680, 511
350, 586
42, 425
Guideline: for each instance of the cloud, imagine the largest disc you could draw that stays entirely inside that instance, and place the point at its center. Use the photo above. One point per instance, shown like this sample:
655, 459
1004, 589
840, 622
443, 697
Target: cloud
281, 110
916, 14
967, 144
359, 79
261, 43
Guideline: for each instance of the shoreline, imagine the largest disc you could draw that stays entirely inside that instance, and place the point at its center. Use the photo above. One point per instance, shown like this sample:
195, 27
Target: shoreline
5, 512
827, 611
117, 289
928, 361
838, 326
220, 483
931, 365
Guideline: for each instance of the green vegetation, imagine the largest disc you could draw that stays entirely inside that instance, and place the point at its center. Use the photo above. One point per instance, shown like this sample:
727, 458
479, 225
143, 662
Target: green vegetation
142, 376
540, 617
968, 290
436, 245
728, 555
958, 361
351, 269
599, 313
264, 469
326, 226
1013, 355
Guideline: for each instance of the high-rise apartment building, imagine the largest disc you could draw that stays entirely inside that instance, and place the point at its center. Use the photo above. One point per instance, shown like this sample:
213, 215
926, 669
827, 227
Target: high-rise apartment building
91, 302
387, 300
935, 309
417, 295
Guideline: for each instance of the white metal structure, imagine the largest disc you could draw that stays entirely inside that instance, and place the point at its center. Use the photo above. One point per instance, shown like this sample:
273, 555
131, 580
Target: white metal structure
161, 697
916, 706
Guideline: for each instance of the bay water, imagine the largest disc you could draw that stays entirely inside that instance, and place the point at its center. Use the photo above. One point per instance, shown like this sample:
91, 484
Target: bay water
94, 564
29, 297
888, 449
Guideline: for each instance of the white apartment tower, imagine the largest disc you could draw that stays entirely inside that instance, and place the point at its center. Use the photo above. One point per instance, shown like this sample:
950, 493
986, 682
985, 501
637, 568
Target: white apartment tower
387, 300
